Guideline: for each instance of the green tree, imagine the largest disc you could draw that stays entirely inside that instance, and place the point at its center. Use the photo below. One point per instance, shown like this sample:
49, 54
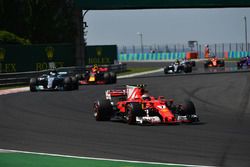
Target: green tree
10, 38
40, 21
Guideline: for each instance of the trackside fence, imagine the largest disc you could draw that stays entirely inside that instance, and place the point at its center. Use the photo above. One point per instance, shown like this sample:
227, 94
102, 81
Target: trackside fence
235, 55
173, 56
151, 56
173, 51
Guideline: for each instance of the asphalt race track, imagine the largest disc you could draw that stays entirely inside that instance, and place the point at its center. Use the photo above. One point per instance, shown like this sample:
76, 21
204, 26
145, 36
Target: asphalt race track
63, 123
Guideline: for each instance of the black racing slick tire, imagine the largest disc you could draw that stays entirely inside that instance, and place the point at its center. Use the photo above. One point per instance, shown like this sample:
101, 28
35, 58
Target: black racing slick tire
187, 69
75, 84
106, 77
190, 112
221, 63
189, 108
193, 63
190, 69
112, 77
206, 64
133, 110
67, 84
239, 65
165, 70
78, 76
33, 83
103, 110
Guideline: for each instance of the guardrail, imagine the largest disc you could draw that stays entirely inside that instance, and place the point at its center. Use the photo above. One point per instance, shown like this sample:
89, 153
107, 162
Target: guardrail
22, 78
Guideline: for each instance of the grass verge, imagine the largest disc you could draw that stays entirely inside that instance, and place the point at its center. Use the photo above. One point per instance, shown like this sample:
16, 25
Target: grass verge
33, 160
234, 59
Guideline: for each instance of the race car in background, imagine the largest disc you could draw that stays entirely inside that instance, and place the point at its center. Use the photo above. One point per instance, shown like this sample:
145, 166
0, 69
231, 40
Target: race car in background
244, 63
134, 106
96, 75
179, 66
214, 62
54, 81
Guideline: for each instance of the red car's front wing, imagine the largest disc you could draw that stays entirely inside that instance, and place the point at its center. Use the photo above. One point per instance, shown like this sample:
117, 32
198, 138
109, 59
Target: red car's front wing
153, 121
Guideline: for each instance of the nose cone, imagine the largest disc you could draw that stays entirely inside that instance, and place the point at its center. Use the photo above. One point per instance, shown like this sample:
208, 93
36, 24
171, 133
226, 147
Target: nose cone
167, 115
171, 119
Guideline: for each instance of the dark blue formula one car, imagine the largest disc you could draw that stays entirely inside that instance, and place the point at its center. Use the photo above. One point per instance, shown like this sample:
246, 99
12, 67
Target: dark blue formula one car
244, 63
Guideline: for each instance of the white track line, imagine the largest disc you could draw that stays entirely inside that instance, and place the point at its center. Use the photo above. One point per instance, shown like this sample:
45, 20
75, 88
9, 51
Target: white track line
99, 159
14, 90
140, 73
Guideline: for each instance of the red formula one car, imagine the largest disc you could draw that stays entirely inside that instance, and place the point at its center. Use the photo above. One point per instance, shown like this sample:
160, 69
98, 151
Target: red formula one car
134, 106
96, 75
214, 62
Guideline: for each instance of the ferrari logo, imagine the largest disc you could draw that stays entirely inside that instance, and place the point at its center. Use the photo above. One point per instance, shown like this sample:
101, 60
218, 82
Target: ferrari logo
50, 52
2, 54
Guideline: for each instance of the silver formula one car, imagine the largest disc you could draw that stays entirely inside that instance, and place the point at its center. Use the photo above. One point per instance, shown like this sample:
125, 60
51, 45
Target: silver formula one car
179, 67
54, 81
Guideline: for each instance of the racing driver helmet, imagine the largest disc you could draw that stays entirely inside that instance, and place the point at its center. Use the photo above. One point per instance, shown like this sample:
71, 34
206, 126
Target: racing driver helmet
95, 68
145, 97
53, 72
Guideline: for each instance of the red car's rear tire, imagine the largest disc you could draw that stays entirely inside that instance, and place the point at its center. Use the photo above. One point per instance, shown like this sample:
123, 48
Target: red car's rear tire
102, 110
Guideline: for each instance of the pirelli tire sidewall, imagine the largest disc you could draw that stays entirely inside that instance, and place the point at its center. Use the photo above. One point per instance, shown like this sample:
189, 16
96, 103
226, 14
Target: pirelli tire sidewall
67, 83
75, 84
113, 77
107, 77
103, 110
33, 83
187, 68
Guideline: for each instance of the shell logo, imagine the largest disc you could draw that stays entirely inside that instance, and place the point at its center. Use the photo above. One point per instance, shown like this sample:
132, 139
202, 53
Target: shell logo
50, 52
2, 54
